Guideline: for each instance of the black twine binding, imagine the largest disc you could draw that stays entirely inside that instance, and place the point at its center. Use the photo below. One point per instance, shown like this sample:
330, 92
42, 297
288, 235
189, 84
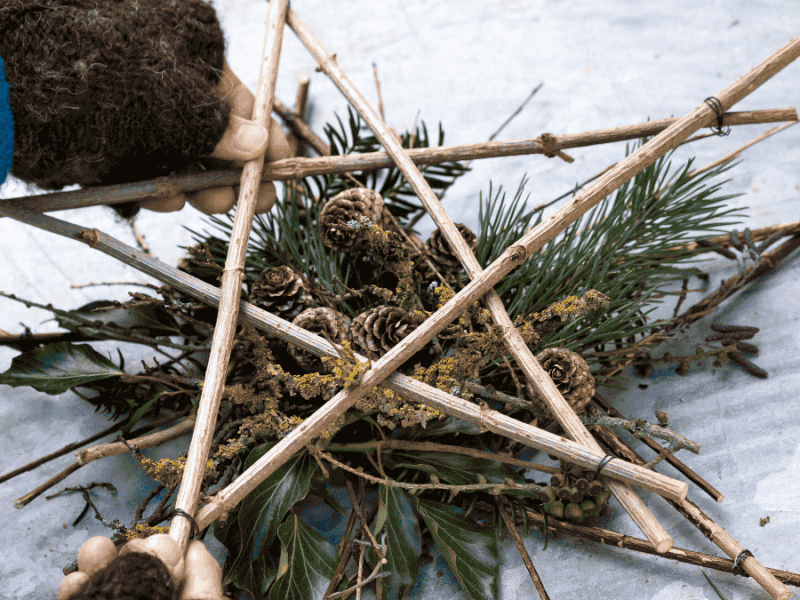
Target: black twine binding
739, 558
603, 462
179, 512
715, 105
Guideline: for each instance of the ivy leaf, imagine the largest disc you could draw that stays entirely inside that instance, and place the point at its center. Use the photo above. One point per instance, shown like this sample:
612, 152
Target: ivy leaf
254, 577
307, 562
470, 552
456, 469
56, 368
144, 319
440, 427
403, 541
321, 491
264, 508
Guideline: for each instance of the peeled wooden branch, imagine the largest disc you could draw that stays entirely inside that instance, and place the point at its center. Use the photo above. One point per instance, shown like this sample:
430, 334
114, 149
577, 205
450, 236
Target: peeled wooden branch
706, 525
232, 278
297, 168
612, 538
411, 388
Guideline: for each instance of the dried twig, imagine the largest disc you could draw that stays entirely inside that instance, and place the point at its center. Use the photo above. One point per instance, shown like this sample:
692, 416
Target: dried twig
301, 130
297, 143
526, 558
364, 524
232, 278
297, 168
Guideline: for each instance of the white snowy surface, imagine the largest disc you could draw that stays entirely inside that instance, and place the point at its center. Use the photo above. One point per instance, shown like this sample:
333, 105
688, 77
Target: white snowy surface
469, 64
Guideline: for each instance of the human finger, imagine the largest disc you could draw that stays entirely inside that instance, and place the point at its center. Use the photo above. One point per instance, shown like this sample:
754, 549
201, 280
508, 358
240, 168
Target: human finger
165, 205
95, 554
163, 547
72, 584
203, 575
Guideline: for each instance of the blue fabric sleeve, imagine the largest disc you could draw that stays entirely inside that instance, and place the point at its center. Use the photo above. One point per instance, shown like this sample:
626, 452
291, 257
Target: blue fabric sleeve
6, 126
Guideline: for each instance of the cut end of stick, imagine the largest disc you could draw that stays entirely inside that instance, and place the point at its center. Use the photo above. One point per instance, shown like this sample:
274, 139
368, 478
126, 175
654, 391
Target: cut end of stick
664, 545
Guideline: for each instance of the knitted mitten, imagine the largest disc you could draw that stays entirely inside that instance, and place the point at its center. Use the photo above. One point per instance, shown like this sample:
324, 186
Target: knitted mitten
111, 91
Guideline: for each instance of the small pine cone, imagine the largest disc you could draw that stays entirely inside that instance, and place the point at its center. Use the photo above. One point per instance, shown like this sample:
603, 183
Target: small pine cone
441, 252
281, 291
350, 205
380, 329
319, 320
571, 375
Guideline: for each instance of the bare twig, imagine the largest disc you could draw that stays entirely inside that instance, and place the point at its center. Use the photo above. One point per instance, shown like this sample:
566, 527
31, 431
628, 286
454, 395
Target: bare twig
296, 143
302, 131
526, 558
364, 524
297, 168
232, 278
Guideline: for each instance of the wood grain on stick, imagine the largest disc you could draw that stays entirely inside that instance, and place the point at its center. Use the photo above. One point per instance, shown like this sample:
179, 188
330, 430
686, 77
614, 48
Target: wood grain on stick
560, 408
705, 524
408, 387
232, 278
297, 168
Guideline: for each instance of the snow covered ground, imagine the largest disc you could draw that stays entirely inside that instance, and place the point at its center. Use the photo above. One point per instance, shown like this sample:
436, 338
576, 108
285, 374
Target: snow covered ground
468, 65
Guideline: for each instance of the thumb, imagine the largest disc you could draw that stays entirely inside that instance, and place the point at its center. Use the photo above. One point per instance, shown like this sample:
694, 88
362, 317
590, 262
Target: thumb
243, 140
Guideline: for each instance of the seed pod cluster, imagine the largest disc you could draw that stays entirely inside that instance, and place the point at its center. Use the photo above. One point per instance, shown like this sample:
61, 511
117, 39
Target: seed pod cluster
574, 494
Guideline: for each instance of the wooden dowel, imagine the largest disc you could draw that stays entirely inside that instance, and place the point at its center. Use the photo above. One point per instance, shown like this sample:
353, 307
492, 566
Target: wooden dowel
232, 278
512, 338
411, 388
671, 458
705, 524
613, 538
297, 168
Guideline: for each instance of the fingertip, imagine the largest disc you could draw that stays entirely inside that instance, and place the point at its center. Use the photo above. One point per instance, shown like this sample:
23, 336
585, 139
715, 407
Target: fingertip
165, 205
213, 201
72, 584
267, 196
95, 554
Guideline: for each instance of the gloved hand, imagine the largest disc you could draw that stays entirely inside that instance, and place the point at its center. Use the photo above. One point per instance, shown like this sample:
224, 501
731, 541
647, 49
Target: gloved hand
105, 92
243, 140
102, 568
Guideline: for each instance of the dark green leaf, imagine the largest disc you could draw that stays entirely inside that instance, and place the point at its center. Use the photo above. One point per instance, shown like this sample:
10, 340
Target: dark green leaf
456, 469
306, 565
58, 367
470, 552
143, 319
403, 541
321, 491
255, 576
264, 508
439, 427
143, 409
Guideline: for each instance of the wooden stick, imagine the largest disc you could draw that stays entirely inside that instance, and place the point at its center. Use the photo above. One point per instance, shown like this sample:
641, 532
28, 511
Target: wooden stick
705, 524
232, 278
301, 130
297, 168
413, 389
671, 459
512, 338
148, 441
523, 552
724, 241
612, 538
296, 142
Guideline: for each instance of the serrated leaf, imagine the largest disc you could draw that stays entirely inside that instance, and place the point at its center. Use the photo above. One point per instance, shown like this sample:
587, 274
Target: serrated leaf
403, 541
456, 469
470, 552
56, 368
264, 508
143, 319
308, 562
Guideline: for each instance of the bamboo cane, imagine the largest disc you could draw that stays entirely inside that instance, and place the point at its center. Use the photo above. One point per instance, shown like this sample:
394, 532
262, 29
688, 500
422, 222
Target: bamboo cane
297, 168
232, 277
406, 386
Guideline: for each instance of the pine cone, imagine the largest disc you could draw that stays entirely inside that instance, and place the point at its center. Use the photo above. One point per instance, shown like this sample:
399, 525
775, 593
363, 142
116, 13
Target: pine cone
319, 320
380, 329
571, 375
281, 291
441, 252
350, 205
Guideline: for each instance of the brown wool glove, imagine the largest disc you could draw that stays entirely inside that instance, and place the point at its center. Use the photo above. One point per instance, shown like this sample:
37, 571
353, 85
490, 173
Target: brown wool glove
110, 91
